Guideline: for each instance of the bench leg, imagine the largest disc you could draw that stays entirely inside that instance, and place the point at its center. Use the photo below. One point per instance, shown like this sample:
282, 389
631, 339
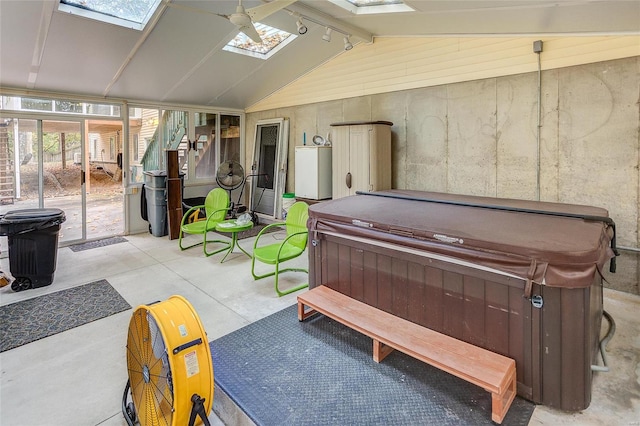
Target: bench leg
500, 403
302, 314
380, 350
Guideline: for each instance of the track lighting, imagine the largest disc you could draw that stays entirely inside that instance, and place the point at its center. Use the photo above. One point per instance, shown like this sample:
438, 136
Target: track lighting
302, 28
327, 35
329, 29
347, 44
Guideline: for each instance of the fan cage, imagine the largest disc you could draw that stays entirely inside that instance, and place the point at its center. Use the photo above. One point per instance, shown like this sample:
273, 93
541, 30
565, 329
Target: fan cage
230, 175
166, 367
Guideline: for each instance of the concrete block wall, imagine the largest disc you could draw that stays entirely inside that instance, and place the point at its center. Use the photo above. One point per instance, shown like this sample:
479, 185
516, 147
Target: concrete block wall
480, 138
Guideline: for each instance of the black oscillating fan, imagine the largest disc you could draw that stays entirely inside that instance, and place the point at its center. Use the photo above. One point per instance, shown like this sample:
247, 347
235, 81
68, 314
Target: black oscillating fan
230, 176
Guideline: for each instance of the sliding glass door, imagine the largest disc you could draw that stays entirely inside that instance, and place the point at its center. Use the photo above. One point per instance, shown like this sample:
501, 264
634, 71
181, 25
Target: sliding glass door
71, 164
103, 183
41, 167
63, 175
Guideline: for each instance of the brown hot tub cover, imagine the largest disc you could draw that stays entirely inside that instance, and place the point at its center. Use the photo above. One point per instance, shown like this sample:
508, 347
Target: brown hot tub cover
558, 245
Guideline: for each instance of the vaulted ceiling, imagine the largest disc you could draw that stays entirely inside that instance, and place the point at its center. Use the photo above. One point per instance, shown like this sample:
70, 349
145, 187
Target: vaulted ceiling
178, 58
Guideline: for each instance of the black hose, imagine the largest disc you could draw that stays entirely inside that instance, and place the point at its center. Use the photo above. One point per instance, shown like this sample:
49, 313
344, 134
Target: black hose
589, 218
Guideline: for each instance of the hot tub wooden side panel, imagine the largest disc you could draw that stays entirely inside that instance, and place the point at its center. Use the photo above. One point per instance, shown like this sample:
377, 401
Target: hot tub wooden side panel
553, 346
475, 306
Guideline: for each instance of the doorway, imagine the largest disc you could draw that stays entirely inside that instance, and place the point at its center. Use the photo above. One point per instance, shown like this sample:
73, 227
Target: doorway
269, 166
44, 163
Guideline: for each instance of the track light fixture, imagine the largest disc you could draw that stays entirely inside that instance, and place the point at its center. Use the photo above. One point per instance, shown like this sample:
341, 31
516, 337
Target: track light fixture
329, 29
302, 28
327, 35
347, 44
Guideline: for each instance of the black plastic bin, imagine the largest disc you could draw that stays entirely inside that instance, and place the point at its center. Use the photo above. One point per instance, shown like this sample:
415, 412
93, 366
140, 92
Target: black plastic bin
33, 245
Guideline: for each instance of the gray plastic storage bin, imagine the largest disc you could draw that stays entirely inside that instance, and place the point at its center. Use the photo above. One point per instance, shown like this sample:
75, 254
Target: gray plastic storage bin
155, 197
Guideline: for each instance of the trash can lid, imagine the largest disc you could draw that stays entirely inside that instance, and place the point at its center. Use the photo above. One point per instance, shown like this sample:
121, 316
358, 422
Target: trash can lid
31, 215
155, 172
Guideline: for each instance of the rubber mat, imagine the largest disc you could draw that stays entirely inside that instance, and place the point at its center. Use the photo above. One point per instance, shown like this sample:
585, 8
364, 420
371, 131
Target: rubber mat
319, 372
33, 319
98, 243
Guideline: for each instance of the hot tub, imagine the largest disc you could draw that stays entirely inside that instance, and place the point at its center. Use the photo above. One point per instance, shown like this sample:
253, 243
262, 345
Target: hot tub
519, 278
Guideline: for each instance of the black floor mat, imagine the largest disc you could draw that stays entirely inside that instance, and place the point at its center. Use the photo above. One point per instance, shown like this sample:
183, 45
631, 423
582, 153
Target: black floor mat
33, 319
98, 243
319, 372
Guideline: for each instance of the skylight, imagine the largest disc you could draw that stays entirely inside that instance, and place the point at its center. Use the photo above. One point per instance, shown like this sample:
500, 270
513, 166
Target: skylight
273, 40
362, 7
127, 13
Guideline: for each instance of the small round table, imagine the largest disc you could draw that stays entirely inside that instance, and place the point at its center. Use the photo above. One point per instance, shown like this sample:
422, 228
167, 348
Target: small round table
232, 227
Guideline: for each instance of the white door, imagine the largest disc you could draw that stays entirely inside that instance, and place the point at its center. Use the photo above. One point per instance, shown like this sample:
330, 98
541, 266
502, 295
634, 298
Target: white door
269, 168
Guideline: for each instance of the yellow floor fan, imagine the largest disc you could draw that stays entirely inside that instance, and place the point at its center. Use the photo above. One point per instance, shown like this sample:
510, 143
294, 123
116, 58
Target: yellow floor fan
170, 368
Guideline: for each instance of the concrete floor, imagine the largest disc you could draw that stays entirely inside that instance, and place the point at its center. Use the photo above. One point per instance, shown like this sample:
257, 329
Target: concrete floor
104, 216
78, 377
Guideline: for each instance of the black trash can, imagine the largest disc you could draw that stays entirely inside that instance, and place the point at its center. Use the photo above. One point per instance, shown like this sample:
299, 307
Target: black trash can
32, 235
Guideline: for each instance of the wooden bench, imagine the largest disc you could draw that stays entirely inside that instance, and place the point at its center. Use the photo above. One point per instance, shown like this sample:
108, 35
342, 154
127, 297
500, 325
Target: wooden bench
491, 371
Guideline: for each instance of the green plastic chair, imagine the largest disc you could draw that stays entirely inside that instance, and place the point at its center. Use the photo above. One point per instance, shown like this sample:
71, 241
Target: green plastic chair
291, 247
215, 206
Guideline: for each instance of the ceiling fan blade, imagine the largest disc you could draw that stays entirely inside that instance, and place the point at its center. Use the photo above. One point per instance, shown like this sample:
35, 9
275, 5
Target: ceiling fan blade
260, 12
251, 32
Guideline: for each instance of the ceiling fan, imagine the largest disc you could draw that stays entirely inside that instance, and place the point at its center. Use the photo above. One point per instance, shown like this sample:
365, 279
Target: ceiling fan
244, 18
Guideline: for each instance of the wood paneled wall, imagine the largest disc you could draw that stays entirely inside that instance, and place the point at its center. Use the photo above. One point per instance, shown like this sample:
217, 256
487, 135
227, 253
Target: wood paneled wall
393, 64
